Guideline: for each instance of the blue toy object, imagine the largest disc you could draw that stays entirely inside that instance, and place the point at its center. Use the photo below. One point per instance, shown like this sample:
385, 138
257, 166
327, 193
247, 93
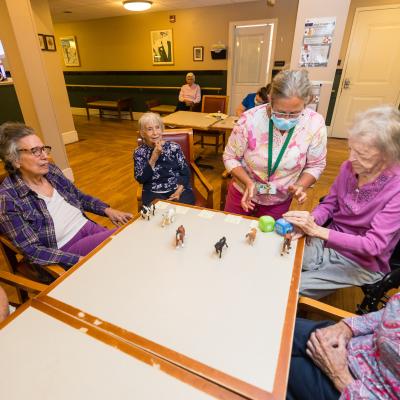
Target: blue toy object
282, 227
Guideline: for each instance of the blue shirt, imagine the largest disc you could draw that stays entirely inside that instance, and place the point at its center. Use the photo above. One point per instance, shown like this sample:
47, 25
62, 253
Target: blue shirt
169, 171
249, 101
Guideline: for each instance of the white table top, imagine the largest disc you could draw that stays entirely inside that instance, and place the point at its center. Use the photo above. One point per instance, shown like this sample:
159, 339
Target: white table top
45, 359
227, 313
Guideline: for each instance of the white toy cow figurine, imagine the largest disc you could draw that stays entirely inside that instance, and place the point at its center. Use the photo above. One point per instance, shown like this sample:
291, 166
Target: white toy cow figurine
168, 217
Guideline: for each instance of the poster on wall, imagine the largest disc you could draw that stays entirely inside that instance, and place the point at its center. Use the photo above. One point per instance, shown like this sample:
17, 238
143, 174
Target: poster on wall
317, 42
162, 47
70, 51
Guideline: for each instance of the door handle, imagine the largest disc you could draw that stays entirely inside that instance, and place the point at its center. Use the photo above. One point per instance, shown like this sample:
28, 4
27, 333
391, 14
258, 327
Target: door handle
346, 83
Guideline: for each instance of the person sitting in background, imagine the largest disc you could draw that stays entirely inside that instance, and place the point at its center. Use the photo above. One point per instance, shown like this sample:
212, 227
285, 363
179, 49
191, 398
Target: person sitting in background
362, 209
41, 211
4, 310
254, 99
357, 358
160, 166
190, 94
276, 150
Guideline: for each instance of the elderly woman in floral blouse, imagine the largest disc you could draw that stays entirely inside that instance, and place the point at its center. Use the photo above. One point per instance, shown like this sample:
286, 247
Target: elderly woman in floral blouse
357, 358
161, 166
361, 211
276, 150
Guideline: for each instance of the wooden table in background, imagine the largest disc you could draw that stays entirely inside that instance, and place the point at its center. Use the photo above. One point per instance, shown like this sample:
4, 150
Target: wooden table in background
228, 320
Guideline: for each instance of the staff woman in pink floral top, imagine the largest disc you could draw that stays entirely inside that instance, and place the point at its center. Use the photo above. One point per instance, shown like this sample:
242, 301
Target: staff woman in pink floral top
276, 151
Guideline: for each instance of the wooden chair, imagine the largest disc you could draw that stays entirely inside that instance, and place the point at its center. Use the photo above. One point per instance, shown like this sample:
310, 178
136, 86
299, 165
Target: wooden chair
212, 104
22, 275
184, 137
307, 304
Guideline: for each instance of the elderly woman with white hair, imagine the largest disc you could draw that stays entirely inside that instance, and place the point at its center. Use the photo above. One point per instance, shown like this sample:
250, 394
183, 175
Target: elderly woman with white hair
160, 166
362, 210
190, 94
276, 150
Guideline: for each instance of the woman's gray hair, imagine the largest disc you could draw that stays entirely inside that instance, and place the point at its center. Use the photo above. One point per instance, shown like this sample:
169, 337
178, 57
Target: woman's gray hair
10, 134
150, 118
291, 83
381, 125
191, 75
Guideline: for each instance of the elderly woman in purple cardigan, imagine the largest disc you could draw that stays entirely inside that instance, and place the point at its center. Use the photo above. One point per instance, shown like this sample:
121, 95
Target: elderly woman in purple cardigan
363, 207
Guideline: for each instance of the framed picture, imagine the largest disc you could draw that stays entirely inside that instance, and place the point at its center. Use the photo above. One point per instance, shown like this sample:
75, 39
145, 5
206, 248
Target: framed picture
69, 50
42, 42
50, 42
198, 53
162, 47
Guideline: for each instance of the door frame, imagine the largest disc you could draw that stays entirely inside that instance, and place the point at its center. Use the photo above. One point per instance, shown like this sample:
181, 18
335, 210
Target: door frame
347, 56
231, 44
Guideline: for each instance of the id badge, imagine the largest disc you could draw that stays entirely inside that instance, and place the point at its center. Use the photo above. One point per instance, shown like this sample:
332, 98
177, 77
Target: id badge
266, 188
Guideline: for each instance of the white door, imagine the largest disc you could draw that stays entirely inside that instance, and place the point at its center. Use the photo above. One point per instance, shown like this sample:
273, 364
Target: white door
371, 74
250, 60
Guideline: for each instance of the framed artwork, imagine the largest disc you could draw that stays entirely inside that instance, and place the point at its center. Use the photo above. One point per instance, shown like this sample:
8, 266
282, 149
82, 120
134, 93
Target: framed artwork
70, 51
198, 53
50, 42
162, 47
42, 42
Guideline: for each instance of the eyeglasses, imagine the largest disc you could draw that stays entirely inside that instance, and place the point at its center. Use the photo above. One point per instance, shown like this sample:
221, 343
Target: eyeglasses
286, 115
37, 151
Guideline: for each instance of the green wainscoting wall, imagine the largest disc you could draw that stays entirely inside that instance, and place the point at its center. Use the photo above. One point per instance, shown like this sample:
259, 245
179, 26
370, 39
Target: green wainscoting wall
9, 106
140, 85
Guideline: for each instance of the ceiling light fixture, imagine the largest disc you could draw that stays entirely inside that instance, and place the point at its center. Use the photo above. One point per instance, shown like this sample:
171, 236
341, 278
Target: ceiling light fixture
137, 5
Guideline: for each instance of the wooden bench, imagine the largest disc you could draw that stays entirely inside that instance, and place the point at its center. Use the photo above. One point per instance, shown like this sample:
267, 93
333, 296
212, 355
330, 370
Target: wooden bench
162, 109
113, 105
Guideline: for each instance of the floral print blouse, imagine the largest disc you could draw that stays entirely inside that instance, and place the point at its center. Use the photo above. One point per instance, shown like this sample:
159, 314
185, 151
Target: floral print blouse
373, 354
169, 171
248, 147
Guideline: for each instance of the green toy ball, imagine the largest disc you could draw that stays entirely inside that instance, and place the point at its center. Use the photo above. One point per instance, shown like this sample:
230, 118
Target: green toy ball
266, 223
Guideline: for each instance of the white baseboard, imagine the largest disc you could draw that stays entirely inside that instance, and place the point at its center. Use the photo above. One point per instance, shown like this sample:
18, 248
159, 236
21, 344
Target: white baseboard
70, 137
69, 174
106, 114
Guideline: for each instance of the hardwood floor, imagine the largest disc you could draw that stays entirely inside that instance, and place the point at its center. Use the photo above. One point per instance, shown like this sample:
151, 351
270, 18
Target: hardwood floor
102, 165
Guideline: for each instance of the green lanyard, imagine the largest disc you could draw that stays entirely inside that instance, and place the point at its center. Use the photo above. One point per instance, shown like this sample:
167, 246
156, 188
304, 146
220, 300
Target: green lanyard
272, 169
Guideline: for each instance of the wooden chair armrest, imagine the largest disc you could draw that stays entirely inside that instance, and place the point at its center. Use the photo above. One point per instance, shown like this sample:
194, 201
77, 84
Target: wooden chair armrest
7, 242
203, 180
21, 282
306, 303
54, 270
226, 175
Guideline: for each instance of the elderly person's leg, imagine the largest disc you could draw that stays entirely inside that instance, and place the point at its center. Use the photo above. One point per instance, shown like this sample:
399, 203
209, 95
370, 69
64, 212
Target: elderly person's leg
187, 197
89, 237
325, 270
306, 380
3, 305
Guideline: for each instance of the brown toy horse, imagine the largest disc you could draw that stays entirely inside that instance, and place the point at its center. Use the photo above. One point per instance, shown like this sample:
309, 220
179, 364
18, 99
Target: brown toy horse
180, 236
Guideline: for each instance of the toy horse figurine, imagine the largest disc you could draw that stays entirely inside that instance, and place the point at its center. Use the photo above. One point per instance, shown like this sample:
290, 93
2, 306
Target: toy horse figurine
180, 236
168, 217
251, 235
286, 245
219, 245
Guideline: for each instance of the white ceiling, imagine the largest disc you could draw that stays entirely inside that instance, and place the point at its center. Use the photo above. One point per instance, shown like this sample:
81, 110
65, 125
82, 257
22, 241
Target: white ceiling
93, 9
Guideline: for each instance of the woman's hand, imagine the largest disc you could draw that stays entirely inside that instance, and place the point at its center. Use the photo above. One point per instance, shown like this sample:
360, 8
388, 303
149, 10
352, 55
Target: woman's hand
331, 359
305, 221
117, 217
331, 333
157, 151
177, 194
246, 202
298, 192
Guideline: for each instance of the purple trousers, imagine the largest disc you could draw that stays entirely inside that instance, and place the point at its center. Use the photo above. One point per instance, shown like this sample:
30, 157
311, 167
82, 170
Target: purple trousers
234, 198
89, 237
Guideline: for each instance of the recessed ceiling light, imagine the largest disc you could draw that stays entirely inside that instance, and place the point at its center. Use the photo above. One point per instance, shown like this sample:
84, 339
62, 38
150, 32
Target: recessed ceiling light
137, 5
